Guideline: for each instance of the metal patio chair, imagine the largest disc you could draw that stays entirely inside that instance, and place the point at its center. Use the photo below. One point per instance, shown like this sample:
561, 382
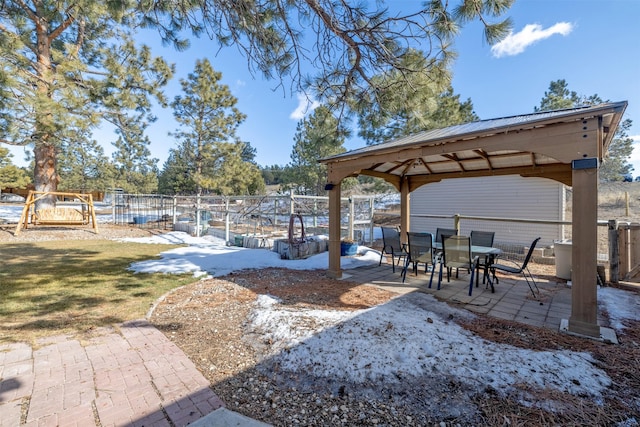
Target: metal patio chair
519, 269
392, 246
456, 253
483, 238
420, 252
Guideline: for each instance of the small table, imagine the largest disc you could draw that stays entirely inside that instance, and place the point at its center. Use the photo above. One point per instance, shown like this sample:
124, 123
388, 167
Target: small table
488, 252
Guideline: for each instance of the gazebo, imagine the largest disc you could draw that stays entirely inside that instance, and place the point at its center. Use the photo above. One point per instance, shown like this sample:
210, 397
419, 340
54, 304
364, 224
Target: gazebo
564, 145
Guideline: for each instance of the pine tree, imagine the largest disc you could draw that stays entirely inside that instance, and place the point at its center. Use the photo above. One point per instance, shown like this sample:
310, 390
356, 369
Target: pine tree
317, 136
10, 175
65, 67
83, 165
209, 154
616, 162
346, 42
134, 169
410, 103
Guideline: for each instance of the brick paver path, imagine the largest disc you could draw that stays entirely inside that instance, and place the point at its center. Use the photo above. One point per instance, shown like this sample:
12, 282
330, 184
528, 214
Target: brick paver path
133, 376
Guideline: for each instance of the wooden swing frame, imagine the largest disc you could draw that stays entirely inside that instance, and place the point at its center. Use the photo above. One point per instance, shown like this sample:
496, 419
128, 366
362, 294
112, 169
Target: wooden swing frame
60, 215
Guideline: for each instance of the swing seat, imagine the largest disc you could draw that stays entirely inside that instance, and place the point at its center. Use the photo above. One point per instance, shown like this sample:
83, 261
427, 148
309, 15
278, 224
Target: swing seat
60, 216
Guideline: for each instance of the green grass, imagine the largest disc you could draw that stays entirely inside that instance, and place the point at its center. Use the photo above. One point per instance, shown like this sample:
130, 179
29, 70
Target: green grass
71, 287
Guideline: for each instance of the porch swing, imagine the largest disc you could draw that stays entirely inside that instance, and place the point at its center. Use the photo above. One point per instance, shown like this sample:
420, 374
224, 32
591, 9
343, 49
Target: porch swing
59, 215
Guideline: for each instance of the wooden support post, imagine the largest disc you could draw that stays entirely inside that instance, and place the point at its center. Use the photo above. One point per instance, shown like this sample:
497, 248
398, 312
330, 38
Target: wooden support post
614, 252
405, 200
584, 303
334, 232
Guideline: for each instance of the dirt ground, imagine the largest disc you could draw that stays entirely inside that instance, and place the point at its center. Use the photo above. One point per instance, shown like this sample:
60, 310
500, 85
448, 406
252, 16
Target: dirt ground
208, 321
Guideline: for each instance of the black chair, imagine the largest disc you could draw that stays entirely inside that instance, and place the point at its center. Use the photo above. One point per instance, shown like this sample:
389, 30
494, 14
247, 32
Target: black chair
483, 238
440, 232
420, 252
456, 253
519, 269
392, 246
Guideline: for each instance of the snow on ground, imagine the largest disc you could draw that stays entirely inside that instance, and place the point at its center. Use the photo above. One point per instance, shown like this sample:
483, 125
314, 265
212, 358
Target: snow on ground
209, 255
405, 337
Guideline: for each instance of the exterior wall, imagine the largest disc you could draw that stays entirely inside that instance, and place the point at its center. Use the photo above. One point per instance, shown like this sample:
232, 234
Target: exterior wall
497, 197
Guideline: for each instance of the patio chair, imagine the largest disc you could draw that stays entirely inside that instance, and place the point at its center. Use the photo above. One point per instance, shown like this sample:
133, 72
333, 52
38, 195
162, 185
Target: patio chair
420, 252
456, 253
392, 246
483, 238
440, 232
519, 269
443, 233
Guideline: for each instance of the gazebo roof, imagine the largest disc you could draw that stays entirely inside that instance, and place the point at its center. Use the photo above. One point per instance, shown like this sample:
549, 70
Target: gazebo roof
537, 144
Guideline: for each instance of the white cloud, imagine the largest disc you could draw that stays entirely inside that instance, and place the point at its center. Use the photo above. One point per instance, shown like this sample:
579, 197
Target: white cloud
516, 43
241, 83
305, 106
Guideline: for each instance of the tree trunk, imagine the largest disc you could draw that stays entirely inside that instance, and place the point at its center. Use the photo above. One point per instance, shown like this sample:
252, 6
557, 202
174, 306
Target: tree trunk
46, 177
45, 170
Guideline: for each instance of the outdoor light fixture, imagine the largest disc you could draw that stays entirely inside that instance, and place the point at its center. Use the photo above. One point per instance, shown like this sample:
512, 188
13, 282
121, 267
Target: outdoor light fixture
328, 187
588, 163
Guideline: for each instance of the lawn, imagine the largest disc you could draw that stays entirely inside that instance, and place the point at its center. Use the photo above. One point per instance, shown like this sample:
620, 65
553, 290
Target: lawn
74, 286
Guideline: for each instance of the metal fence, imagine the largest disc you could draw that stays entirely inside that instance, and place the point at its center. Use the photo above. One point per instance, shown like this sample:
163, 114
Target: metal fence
227, 217
245, 215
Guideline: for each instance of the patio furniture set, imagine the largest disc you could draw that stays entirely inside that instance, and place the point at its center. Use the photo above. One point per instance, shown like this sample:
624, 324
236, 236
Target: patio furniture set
446, 250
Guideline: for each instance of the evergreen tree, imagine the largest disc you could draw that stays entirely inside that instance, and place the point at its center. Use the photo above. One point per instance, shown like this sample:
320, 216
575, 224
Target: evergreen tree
274, 174
134, 169
351, 41
317, 136
176, 176
400, 109
558, 97
83, 165
616, 163
215, 159
11, 176
66, 66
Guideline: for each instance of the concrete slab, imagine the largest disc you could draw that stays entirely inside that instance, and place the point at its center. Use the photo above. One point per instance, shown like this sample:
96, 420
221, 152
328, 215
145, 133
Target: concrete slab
607, 335
225, 418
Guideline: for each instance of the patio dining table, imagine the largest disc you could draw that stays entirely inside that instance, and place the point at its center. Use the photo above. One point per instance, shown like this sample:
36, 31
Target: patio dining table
490, 253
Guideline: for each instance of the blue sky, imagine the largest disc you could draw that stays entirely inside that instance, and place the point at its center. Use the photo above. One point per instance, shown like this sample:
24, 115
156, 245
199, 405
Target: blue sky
592, 44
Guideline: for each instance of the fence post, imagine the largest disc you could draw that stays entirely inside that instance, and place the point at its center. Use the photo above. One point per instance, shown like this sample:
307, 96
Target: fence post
634, 245
226, 220
275, 213
626, 203
292, 202
315, 213
197, 215
373, 210
351, 215
113, 207
614, 251
623, 247
456, 223
175, 211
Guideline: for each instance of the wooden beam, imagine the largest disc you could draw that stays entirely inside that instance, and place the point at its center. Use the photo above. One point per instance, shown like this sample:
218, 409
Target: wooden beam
391, 179
557, 172
550, 140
